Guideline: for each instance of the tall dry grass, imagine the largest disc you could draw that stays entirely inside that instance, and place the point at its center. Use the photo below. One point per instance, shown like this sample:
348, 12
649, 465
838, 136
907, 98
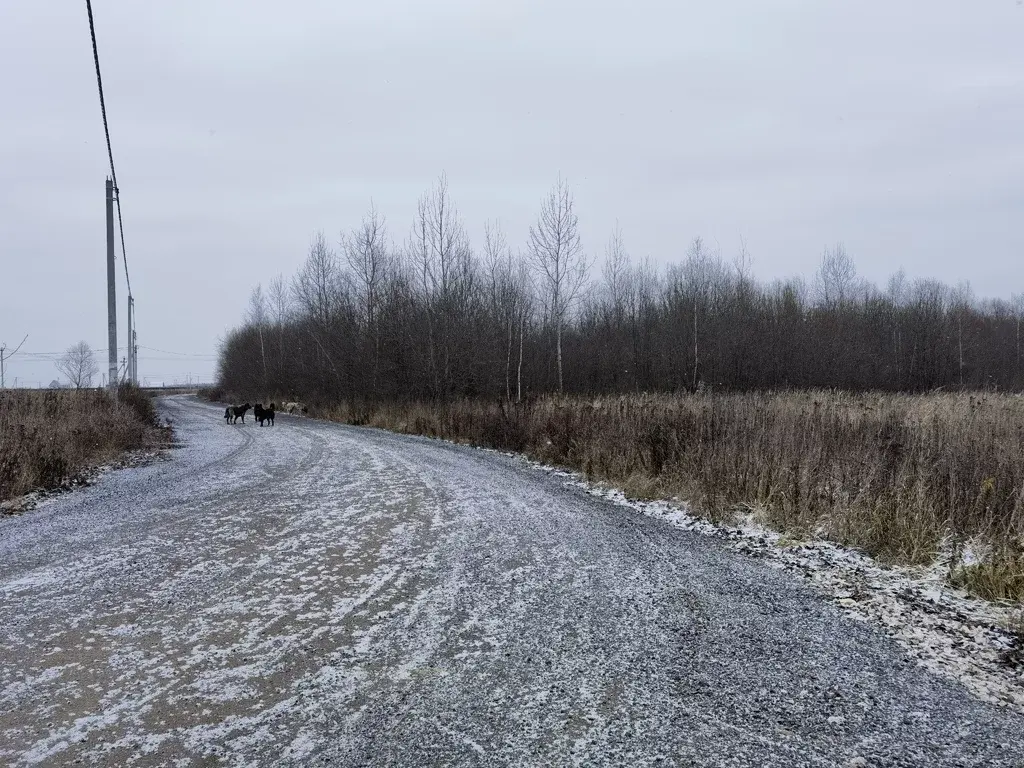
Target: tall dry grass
49, 438
897, 476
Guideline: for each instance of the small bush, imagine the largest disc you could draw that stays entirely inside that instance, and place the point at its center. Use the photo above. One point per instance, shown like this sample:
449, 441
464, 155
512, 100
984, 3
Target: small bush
140, 403
998, 577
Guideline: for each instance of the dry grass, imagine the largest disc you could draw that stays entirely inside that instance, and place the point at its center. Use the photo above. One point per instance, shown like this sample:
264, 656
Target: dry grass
893, 475
49, 438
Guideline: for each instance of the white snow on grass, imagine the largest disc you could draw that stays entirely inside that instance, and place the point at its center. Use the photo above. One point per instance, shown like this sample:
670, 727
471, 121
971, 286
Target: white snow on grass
947, 630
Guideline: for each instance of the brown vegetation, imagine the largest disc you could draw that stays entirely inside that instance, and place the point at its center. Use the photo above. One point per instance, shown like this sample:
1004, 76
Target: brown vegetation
898, 476
49, 438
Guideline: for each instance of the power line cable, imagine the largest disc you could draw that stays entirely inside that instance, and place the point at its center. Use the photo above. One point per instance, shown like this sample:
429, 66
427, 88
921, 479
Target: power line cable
183, 354
106, 132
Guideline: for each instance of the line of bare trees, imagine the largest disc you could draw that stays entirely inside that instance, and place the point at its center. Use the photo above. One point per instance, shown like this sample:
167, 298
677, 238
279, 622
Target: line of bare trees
364, 319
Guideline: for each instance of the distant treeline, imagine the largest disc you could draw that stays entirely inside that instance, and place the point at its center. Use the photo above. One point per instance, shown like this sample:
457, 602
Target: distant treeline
433, 318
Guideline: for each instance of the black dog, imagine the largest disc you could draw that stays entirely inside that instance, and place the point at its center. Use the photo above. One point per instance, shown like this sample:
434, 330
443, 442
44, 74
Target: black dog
227, 414
262, 414
236, 412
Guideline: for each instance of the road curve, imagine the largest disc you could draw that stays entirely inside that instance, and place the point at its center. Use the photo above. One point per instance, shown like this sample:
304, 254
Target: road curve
315, 594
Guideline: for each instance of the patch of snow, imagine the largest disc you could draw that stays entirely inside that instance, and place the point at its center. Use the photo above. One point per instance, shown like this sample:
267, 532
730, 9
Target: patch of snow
302, 746
39, 578
974, 552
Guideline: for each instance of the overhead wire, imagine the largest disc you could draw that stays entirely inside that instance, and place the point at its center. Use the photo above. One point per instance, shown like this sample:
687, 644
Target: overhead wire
106, 133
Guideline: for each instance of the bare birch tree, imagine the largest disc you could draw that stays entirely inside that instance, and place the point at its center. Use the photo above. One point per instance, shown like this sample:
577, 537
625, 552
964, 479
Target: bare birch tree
440, 252
1017, 302
836, 278
317, 283
257, 318
367, 254
700, 273
317, 289
743, 263
507, 284
616, 272
280, 304
558, 261
79, 365
279, 301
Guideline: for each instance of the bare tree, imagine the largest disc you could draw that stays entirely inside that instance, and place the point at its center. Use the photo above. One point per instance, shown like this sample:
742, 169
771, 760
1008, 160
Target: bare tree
316, 287
743, 263
525, 311
497, 271
440, 252
507, 284
1017, 302
79, 365
279, 301
700, 273
837, 277
318, 294
616, 273
257, 318
558, 260
367, 255
962, 297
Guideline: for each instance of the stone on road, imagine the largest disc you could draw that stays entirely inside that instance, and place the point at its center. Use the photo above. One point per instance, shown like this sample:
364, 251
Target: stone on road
315, 594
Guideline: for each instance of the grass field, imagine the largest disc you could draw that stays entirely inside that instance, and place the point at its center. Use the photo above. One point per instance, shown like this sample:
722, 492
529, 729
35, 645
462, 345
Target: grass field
902, 477
48, 439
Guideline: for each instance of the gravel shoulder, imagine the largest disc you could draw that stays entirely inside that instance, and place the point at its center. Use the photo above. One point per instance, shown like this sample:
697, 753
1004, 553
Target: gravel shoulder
315, 594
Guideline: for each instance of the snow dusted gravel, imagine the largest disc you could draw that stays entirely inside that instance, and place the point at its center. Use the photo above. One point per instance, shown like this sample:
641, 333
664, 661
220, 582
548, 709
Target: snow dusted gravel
950, 631
314, 594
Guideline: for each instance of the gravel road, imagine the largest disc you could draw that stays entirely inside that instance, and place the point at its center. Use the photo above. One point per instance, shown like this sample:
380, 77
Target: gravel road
315, 594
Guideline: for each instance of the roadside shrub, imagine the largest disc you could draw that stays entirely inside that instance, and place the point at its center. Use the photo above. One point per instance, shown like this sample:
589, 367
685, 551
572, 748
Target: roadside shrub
49, 438
140, 403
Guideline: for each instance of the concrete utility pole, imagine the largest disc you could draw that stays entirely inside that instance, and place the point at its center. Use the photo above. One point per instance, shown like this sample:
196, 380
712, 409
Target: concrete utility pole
111, 294
135, 348
131, 340
4, 357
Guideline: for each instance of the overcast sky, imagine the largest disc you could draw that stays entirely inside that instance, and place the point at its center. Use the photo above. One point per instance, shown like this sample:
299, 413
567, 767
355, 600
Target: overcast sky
241, 128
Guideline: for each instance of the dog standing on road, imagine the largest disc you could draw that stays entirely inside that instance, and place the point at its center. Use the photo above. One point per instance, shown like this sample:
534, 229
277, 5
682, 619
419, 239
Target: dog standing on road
236, 412
262, 414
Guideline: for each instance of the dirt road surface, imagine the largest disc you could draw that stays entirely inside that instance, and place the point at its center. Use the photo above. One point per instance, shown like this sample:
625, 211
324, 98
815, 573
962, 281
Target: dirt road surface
315, 594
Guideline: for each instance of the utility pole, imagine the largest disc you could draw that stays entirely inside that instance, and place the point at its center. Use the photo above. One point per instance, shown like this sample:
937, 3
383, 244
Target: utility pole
132, 372
111, 295
134, 350
128, 363
4, 357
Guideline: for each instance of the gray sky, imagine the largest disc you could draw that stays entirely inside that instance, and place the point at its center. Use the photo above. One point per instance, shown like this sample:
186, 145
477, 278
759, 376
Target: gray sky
240, 128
